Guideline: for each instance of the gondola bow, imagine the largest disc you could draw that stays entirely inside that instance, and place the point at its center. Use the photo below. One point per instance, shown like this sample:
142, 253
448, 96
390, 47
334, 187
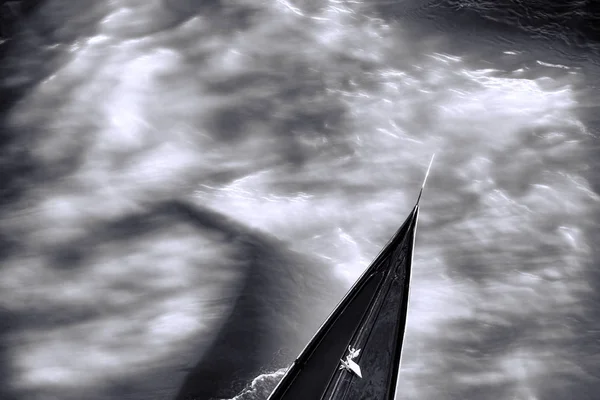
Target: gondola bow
356, 353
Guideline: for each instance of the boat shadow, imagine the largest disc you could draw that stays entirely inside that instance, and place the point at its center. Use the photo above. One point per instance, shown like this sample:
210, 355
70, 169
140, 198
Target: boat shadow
270, 306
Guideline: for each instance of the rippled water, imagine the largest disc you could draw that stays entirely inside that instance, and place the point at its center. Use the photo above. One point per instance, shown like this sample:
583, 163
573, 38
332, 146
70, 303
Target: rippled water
188, 191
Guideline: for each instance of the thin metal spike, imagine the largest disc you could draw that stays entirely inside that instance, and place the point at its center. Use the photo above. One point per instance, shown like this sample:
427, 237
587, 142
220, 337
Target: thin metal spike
425, 179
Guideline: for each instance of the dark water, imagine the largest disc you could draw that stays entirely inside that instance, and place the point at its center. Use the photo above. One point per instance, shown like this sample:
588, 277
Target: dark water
188, 189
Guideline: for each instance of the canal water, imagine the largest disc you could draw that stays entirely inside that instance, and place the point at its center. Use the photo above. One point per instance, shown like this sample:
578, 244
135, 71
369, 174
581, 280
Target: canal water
188, 188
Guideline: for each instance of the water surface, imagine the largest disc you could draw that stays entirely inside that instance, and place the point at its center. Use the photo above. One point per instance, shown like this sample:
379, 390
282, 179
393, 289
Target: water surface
189, 189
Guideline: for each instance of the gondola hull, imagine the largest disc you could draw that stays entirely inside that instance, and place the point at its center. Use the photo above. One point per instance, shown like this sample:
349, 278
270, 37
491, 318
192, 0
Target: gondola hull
366, 329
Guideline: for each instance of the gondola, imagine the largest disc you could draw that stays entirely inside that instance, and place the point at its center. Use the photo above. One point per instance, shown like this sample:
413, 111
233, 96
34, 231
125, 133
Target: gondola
356, 353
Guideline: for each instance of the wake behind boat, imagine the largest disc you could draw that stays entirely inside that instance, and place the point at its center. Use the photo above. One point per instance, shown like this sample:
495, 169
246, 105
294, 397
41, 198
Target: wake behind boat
357, 351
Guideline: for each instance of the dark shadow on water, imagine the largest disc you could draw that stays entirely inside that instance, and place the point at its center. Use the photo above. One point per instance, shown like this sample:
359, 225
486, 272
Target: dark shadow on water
278, 304
256, 335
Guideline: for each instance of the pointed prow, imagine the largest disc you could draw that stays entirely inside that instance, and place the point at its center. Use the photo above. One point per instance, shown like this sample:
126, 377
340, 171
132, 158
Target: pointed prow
425, 179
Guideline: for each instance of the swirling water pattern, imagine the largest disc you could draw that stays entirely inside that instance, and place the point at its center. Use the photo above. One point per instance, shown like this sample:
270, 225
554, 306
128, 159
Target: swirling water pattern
189, 189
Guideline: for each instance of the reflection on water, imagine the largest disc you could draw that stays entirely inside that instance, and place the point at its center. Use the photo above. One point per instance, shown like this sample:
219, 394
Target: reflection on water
190, 189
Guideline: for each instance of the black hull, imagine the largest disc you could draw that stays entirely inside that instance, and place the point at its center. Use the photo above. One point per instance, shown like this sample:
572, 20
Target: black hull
372, 318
